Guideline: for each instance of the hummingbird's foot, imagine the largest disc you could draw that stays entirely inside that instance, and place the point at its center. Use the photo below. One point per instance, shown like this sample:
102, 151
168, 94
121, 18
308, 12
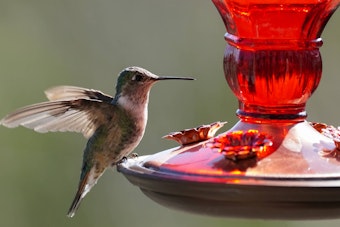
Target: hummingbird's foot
133, 155
125, 158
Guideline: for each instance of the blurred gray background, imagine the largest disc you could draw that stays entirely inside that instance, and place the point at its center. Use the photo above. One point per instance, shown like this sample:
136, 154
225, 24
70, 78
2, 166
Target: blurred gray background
86, 43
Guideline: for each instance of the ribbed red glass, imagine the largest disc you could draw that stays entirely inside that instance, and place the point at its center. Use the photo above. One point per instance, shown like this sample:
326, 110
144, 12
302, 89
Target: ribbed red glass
272, 61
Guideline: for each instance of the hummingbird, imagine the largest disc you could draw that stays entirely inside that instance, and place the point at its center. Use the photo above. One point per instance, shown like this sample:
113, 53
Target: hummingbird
114, 126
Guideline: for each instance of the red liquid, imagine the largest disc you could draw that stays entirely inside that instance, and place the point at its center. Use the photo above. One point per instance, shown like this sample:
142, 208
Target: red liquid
276, 19
272, 82
272, 62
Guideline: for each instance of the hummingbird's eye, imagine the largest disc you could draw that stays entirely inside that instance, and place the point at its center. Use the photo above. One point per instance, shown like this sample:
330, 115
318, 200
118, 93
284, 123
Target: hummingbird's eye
138, 77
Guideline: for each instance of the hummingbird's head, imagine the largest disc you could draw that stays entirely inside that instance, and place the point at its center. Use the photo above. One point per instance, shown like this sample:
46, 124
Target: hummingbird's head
134, 80
134, 83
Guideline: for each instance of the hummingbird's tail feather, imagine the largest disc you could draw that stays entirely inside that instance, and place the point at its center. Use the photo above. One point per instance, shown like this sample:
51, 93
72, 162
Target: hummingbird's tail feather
75, 204
85, 185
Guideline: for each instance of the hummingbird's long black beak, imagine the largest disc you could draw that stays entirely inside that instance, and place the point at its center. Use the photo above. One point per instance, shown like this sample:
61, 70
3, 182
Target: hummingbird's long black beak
173, 78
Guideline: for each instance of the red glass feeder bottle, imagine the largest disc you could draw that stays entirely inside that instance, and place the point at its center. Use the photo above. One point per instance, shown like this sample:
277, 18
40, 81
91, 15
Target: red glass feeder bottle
272, 163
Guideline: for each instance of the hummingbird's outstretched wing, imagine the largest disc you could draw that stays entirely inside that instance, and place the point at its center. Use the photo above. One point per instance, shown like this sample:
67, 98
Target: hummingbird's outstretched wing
83, 114
72, 92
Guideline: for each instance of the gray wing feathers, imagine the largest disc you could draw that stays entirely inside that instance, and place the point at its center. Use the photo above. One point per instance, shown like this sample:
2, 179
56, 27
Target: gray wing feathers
72, 92
51, 117
70, 109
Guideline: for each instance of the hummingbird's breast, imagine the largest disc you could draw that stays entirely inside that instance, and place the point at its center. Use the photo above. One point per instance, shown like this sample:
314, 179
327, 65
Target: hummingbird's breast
125, 131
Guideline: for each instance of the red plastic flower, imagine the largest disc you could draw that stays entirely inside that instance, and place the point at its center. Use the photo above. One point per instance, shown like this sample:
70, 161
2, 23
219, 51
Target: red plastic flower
195, 135
238, 145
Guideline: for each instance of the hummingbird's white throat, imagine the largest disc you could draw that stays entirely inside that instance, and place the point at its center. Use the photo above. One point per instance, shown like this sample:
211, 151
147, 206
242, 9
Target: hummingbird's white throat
137, 108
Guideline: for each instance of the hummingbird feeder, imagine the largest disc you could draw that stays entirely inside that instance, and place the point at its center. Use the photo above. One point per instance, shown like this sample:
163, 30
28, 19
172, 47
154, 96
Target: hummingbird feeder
273, 163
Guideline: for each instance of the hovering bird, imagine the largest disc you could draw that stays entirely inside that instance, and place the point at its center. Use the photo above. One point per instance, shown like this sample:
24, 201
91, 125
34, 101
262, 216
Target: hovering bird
114, 126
